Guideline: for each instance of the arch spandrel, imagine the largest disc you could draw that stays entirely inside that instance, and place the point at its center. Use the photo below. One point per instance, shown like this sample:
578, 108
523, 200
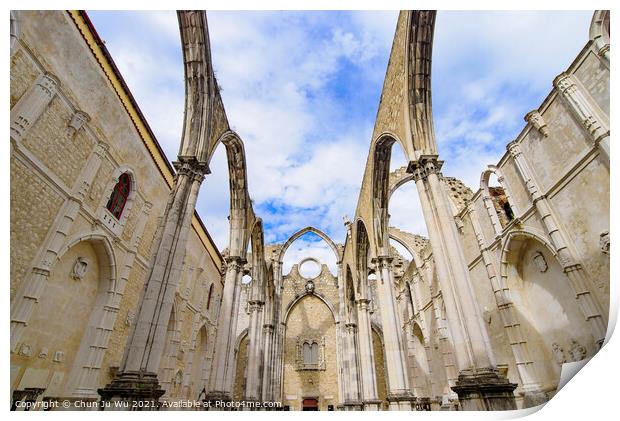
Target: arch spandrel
393, 104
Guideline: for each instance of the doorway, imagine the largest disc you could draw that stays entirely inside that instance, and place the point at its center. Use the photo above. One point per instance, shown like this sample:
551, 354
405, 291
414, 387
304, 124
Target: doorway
310, 404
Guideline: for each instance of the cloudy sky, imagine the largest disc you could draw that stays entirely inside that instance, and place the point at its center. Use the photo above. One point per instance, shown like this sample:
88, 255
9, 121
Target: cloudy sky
302, 90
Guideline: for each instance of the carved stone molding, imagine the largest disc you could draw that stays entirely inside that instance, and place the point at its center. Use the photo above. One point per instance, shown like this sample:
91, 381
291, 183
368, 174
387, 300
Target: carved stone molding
580, 106
77, 121
80, 267
604, 242
577, 351
32, 104
425, 166
314, 344
540, 261
537, 121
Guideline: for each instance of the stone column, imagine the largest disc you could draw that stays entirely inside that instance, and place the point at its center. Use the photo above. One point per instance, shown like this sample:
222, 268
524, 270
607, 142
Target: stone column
366, 356
341, 356
582, 287
23, 304
351, 388
253, 382
586, 111
275, 375
137, 380
479, 386
399, 394
268, 360
222, 374
32, 104
510, 319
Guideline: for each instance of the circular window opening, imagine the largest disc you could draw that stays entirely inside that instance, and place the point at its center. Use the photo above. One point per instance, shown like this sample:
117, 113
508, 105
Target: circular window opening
246, 279
309, 269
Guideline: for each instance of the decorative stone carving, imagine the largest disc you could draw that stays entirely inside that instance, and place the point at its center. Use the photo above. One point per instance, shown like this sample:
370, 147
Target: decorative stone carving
486, 315
604, 242
537, 121
43, 353
558, 353
310, 287
541, 263
32, 104
131, 315
80, 267
59, 356
77, 122
25, 350
577, 351
314, 361
573, 95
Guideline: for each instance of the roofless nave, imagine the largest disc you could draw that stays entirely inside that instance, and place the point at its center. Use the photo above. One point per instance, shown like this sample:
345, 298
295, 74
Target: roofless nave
118, 293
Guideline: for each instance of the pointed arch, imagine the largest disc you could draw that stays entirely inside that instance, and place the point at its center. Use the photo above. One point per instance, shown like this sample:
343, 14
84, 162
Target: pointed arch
508, 206
362, 255
241, 213
316, 294
381, 153
304, 231
398, 236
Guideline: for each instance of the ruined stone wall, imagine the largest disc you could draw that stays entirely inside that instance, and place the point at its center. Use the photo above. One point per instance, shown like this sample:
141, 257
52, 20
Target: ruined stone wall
48, 166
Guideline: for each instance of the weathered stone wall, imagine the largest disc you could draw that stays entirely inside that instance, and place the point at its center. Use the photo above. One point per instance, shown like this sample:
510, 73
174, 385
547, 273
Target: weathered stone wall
310, 318
48, 164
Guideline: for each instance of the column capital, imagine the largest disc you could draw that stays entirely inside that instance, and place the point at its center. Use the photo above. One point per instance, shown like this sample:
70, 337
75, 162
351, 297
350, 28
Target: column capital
191, 167
235, 262
383, 261
424, 166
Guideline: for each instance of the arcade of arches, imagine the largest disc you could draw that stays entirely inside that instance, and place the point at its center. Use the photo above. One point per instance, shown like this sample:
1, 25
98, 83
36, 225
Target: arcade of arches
118, 292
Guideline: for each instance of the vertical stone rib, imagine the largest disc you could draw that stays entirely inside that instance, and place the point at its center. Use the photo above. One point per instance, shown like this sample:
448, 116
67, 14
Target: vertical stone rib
420, 48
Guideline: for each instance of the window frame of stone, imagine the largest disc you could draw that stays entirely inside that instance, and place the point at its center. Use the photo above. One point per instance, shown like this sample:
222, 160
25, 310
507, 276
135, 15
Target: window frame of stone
302, 363
120, 195
107, 218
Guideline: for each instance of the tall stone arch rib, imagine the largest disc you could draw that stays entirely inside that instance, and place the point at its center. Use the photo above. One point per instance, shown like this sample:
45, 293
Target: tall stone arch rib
304, 231
420, 26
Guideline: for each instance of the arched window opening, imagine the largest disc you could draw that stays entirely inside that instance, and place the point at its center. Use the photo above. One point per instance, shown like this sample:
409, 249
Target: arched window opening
309, 245
311, 353
500, 201
209, 296
119, 196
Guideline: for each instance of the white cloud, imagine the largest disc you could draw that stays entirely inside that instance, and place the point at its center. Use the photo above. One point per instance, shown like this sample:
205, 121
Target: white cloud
284, 77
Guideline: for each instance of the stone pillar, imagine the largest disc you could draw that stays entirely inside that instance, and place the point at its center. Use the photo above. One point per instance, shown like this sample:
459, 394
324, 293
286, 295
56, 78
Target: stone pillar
268, 360
586, 111
222, 374
366, 357
276, 373
253, 382
340, 338
445, 345
25, 300
137, 379
32, 104
479, 385
351, 388
488, 204
399, 394
510, 319
582, 287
